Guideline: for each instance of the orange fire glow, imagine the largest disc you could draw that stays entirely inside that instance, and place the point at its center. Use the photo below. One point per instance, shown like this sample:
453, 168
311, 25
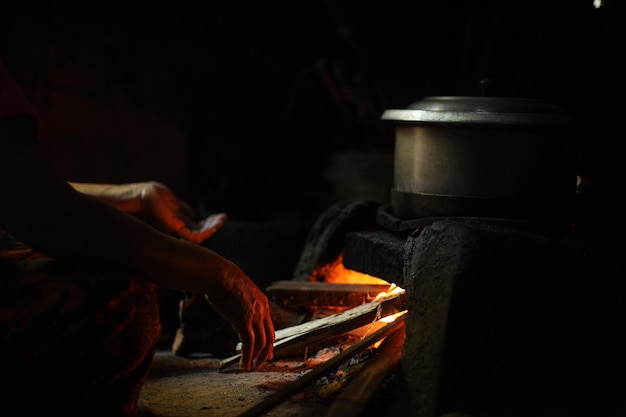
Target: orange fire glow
337, 273
392, 317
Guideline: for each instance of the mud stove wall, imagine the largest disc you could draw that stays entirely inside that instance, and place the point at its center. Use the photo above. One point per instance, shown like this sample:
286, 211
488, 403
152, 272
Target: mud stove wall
504, 318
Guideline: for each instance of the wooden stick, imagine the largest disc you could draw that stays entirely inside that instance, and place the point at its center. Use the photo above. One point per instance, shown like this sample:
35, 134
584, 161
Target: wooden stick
323, 294
296, 337
356, 395
333, 363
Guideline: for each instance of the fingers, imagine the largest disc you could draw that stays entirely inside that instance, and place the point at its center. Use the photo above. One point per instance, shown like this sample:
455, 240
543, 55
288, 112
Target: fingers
266, 351
257, 343
248, 310
214, 221
177, 217
247, 345
206, 228
258, 348
197, 232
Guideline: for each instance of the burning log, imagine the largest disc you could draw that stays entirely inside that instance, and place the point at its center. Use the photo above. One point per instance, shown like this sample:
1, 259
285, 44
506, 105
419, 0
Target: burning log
327, 367
314, 294
294, 339
357, 394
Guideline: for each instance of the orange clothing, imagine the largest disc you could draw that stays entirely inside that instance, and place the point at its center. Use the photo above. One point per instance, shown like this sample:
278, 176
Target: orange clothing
74, 339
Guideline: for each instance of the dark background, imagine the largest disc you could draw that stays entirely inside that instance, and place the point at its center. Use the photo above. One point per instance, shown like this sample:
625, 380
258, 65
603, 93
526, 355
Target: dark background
246, 107
272, 112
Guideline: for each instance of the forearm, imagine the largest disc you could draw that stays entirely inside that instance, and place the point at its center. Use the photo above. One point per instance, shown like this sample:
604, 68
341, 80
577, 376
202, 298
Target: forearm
42, 210
92, 224
126, 197
118, 238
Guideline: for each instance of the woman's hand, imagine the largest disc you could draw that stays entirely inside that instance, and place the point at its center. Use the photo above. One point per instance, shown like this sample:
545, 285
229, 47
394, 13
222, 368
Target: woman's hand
247, 308
156, 204
161, 208
194, 268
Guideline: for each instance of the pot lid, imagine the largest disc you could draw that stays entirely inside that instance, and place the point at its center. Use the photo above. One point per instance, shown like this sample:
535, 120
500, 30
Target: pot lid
508, 111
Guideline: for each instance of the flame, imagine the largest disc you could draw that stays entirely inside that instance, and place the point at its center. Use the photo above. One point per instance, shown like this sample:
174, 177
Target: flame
389, 319
336, 273
391, 292
392, 317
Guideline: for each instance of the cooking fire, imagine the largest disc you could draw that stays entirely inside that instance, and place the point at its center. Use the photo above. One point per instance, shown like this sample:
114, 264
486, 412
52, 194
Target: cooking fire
486, 273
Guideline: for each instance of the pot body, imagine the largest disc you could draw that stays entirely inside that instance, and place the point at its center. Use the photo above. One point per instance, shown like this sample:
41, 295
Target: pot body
487, 163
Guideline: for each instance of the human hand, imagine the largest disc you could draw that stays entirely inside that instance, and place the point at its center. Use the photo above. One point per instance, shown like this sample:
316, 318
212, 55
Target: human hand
161, 208
157, 205
247, 308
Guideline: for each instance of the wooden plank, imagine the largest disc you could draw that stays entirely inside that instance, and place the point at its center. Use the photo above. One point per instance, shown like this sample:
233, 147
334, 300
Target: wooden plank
355, 397
332, 364
292, 340
313, 294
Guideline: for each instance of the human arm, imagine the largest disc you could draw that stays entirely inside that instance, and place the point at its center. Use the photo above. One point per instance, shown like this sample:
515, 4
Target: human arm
41, 209
156, 204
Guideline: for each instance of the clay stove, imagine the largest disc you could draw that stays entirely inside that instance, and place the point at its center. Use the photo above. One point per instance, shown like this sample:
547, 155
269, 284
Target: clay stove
505, 317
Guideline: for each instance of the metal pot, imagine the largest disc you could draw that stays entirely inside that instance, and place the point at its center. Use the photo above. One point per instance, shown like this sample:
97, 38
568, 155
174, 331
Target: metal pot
491, 157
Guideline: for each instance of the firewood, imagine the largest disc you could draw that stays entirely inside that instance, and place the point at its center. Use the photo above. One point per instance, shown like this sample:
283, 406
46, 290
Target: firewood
292, 340
329, 366
356, 395
311, 294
